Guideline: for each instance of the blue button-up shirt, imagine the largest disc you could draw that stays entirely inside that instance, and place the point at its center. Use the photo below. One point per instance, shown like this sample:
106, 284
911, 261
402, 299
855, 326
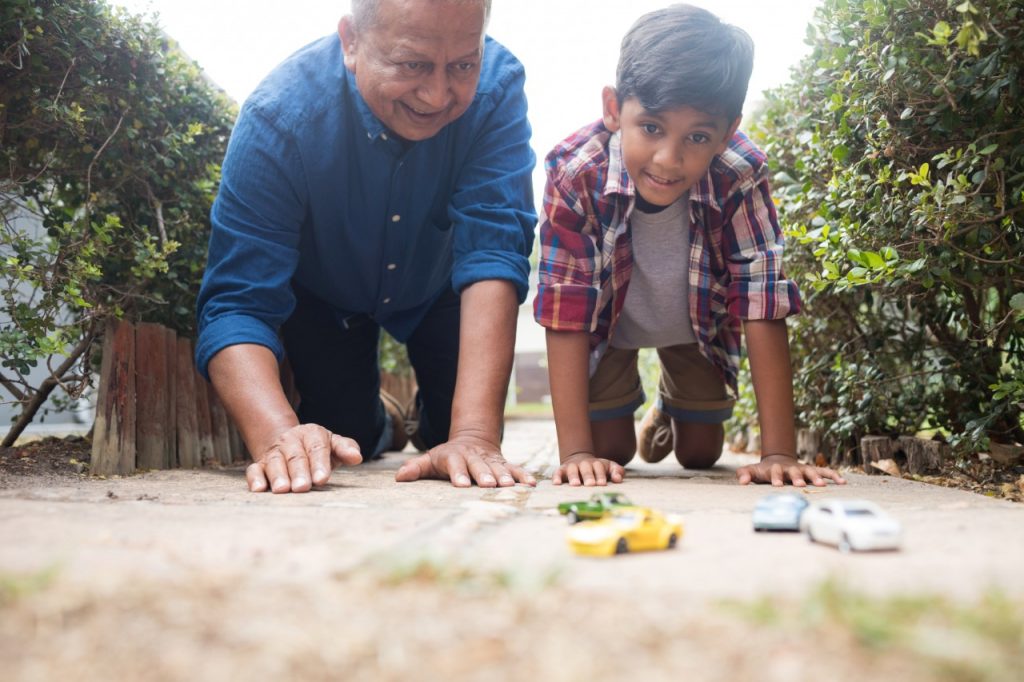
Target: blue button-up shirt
315, 188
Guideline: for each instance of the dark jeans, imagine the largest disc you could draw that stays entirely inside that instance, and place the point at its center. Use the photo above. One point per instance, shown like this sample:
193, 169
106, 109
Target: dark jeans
337, 370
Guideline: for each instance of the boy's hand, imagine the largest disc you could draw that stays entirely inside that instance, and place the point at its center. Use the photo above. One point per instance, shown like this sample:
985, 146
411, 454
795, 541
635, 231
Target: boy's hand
778, 469
583, 468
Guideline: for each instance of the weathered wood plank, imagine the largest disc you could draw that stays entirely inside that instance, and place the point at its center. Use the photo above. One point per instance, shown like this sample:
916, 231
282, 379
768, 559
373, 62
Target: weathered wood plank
219, 427
171, 360
113, 442
204, 423
153, 425
188, 426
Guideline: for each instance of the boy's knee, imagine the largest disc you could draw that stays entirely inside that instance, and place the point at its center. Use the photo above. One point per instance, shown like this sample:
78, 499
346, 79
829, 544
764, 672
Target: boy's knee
698, 458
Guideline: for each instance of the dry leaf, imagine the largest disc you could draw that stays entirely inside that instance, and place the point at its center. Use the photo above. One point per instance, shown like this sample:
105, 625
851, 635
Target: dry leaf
888, 466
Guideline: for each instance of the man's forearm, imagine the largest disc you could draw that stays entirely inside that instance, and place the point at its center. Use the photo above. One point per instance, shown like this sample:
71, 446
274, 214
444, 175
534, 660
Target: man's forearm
247, 380
568, 358
487, 336
772, 375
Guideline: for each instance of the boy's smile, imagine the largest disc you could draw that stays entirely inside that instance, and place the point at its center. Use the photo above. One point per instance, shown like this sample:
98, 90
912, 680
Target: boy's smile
667, 152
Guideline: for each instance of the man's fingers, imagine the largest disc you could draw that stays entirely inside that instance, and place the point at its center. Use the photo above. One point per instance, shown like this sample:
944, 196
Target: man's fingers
345, 450
501, 473
298, 464
521, 475
256, 478
317, 445
416, 468
478, 469
276, 470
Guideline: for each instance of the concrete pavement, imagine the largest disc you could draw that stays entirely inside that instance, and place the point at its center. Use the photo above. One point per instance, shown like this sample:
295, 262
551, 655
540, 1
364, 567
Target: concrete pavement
176, 523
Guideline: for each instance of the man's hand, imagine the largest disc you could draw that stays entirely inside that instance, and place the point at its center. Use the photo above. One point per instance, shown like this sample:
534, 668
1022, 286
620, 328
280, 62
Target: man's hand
464, 460
586, 469
303, 456
778, 469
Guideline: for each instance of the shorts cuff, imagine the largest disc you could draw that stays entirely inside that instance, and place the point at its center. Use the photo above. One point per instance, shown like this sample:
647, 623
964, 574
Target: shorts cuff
612, 410
711, 412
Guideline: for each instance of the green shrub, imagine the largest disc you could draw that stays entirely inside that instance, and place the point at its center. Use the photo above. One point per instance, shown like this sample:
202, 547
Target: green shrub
899, 155
111, 139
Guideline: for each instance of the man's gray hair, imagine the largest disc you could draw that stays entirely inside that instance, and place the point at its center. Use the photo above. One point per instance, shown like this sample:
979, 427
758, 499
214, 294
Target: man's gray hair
365, 12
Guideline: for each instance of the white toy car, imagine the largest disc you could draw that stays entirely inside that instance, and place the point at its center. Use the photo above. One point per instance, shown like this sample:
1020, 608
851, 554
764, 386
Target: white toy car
851, 525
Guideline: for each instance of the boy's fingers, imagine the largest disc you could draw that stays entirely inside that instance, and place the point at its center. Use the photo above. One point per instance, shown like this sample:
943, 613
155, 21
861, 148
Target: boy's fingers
556, 479
618, 472
796, 475
743, 474
572, 473
599, 472
777, 478
587, 472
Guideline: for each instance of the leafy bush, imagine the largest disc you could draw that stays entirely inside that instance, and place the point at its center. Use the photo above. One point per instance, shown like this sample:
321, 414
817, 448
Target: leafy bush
111, 140
899, 155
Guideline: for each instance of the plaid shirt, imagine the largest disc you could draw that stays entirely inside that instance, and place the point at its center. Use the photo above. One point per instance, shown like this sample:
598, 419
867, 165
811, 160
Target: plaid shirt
587, 257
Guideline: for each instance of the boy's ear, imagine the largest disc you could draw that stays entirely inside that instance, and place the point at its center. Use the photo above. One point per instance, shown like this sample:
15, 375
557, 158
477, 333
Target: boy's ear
610, 101
728, 134
347, 34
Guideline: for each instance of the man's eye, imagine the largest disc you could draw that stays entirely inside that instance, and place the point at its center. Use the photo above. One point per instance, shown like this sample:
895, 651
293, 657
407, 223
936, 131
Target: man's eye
465, 66
415, 66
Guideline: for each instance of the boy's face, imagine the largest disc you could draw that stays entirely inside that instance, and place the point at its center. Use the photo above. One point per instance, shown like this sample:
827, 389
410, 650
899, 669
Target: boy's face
668, 152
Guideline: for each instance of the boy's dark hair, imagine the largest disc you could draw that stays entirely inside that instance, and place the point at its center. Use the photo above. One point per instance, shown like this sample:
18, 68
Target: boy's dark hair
685, 56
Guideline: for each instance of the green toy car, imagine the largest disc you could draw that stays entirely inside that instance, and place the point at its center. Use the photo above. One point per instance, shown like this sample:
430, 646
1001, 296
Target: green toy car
596, 507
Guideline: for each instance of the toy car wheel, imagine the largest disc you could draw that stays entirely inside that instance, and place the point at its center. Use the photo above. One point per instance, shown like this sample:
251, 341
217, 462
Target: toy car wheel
573, 516
671, 541
844, 544
810, 535
621, 547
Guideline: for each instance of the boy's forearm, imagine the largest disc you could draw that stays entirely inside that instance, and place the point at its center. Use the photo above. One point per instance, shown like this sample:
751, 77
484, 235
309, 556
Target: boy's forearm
568, 373
772, 375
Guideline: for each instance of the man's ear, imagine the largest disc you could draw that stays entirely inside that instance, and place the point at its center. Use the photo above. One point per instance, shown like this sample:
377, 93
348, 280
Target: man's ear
349, 37
610, 102
728, 134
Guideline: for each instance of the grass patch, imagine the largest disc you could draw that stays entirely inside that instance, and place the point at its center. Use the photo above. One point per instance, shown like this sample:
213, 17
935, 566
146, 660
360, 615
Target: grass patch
982, 641
14, 587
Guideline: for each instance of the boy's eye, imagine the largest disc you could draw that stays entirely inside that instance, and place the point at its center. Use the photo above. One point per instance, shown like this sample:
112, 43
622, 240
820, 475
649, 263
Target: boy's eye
650, 128
700, 138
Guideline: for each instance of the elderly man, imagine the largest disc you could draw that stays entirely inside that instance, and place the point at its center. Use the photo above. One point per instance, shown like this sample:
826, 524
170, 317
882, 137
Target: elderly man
379, 180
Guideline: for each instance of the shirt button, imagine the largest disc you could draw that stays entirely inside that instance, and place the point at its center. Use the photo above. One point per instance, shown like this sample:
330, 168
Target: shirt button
386, 300
391, 266
395, 218
384, 136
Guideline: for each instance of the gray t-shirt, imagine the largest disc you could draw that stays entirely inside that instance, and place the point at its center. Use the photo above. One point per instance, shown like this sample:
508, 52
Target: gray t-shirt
656, 312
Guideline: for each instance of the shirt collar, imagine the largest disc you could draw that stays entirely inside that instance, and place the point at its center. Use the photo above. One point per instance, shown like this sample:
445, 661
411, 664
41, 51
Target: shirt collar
375, 130
619, 182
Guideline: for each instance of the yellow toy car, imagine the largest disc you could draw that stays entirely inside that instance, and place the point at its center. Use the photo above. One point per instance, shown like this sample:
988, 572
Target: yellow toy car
625, 529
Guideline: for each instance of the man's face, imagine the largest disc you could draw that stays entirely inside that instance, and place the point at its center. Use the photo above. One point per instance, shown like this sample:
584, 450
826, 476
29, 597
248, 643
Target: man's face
666, 153
418, 66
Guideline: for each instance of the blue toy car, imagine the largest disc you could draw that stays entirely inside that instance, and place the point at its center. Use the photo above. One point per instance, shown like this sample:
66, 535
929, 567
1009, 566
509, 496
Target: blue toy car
779, 512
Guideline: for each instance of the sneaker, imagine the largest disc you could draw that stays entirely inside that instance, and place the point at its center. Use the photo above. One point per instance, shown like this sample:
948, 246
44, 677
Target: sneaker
412, 425
397, 415
654, 440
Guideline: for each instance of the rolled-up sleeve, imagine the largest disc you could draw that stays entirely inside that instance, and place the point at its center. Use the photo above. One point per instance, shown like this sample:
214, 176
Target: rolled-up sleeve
569, 273
492, 208
758, 287
256, 218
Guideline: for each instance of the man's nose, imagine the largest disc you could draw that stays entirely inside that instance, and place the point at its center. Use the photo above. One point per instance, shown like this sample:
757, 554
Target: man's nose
435, 89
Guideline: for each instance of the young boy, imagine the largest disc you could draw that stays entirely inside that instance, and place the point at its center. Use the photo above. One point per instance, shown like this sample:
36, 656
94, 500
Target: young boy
660, 232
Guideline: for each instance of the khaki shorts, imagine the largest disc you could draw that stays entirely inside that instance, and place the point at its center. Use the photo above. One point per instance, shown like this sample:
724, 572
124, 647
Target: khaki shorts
690, 389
